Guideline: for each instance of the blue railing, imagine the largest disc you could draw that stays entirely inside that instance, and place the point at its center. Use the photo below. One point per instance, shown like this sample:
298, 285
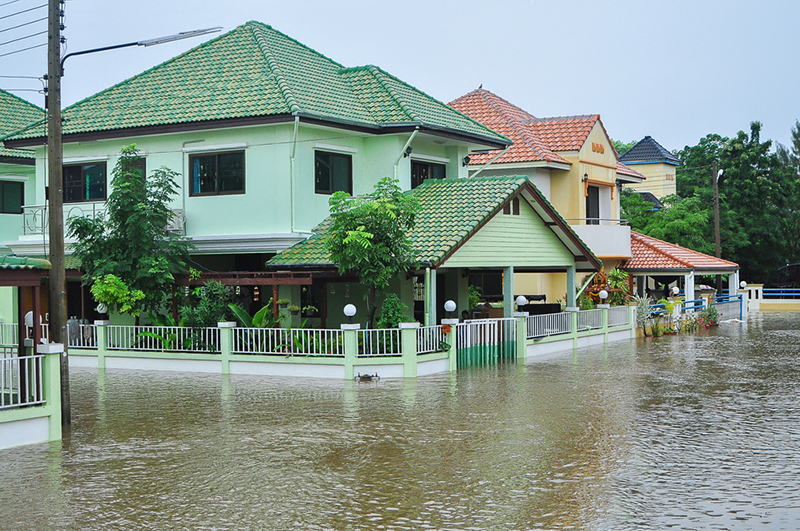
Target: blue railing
728, 304
781, 293
697, 304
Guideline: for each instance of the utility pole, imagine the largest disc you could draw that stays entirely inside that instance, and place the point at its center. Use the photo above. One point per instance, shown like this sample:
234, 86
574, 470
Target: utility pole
57, 289
718, 253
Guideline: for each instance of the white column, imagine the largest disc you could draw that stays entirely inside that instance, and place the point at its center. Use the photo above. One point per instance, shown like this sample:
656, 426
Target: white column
733, 284
508, 292
688, 289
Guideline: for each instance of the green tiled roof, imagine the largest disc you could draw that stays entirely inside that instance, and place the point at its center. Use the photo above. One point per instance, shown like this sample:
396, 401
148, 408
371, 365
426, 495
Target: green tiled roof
23, 262
452, 211
16, 114
255, 71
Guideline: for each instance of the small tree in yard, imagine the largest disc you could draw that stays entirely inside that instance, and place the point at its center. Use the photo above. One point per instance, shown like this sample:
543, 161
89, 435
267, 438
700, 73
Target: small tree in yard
132, 244
368, 236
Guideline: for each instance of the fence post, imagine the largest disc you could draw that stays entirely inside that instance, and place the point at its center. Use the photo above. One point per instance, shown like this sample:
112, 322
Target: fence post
350, 332
450, 339
51, 385
573, 324
102, 342
408, 344
226, 344
604, 320
522, 336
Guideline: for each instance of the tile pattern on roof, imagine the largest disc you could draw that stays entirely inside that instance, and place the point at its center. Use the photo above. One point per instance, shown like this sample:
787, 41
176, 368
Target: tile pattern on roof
452, 210
509, 120
564, 133
23, 262
16, 114
650, 253
253, 71
630, 172
648, 150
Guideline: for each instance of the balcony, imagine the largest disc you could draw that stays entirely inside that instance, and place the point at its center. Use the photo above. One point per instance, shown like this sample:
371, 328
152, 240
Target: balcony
610, 238
35, 217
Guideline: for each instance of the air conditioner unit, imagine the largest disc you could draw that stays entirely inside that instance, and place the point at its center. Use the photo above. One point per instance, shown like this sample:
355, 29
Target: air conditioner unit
176, 223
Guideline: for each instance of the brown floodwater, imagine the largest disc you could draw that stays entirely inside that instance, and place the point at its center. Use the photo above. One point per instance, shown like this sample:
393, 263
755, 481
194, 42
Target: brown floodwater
679, 432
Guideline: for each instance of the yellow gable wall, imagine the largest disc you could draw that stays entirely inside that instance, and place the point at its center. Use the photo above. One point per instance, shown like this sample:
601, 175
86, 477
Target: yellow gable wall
506, 239
660, 179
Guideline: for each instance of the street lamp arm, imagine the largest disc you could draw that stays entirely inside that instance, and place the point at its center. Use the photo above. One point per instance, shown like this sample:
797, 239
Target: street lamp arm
147, 42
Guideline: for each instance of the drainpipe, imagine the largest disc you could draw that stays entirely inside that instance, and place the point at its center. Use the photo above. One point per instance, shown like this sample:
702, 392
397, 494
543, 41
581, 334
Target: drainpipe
427, 296
291, 170
488, 163
403, 152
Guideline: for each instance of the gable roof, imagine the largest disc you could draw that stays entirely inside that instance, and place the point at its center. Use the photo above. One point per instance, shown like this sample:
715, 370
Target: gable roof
256, 72
647, 150
16, 114
652, 254
629, 174
565, 133
452, 211
23, 262
509, 120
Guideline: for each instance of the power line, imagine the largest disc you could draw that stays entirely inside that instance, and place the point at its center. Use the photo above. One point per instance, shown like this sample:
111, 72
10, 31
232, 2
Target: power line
23, 38
24, 49
23, 11
23, 25
9, 3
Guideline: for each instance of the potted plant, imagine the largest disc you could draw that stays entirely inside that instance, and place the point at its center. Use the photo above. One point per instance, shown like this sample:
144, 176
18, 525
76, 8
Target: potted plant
294, 309
310, 310
282, 303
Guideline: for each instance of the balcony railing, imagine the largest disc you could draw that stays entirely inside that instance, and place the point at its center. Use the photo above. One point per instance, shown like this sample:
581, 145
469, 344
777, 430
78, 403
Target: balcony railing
35, 217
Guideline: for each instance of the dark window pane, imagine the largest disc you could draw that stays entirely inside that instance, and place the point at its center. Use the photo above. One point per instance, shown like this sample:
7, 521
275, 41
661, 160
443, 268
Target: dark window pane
492, 284
204, 170
11, 197
95, 179
341, 173
437, 171
73, 184
333, 172
322, 172
231, 172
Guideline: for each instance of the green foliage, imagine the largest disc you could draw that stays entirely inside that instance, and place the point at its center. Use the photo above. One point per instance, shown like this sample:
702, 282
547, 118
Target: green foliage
116, 294
585, 301
211, 305
618, 279
622, 147
368, 236
393, 312
473, 296
759, 202
133, 243
643, 311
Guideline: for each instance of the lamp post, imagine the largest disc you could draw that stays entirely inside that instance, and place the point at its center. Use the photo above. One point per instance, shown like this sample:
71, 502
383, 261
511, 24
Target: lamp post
715, 176
450, 307
57, 288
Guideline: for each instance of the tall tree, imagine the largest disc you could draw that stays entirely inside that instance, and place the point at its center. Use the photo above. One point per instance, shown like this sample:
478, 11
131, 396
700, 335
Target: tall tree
368, 236
133, 243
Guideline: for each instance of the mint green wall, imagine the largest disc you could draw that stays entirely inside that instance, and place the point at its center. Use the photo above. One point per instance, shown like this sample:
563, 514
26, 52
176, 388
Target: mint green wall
521, 240
8, 305
11, 224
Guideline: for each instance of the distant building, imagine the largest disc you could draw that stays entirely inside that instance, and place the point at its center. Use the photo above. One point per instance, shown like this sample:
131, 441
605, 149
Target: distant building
655, 162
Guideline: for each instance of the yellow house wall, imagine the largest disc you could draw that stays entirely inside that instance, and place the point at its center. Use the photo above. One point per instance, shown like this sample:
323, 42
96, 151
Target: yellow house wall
660, 179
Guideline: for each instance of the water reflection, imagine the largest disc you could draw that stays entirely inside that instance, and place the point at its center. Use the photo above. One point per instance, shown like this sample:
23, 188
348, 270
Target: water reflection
689, 432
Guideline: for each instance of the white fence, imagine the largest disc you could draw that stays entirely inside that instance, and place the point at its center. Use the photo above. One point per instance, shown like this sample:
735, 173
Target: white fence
8, 333
590, 319
20, 379
430, 339
296, 342
729, 310
157, 338
548, 325
618, 316
379, 342
82, 336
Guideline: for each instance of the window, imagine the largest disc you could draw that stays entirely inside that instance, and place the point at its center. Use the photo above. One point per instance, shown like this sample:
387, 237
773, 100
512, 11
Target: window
512, 207
490, 284
217, 173
592, 205
85, 182
12, 197
333, 172
425, 170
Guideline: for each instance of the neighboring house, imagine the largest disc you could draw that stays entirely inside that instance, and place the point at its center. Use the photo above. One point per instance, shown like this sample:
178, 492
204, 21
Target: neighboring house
17, 166
653, 161
262, 130
572, 161
658, 262
466, 228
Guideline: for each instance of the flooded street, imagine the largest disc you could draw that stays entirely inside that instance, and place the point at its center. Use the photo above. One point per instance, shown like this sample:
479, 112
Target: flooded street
680, 432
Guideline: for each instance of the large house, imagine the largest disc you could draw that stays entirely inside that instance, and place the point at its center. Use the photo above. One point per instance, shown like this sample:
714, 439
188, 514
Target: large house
656, 163
572, 161
262, 130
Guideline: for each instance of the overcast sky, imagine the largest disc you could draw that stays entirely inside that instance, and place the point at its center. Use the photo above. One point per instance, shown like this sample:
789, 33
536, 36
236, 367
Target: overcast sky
674, 70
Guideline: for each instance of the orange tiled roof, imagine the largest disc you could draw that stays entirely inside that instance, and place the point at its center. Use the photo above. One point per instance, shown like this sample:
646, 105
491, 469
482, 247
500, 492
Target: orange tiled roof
564, 133
625, 170
510, 121
652, 254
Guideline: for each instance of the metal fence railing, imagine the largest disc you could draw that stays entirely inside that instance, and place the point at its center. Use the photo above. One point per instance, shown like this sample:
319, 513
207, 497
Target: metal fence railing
20, 379
171, 338
430, 339
590, 319
83, 336
485, 341
618, 316
293, 342
550, 324
379, 342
